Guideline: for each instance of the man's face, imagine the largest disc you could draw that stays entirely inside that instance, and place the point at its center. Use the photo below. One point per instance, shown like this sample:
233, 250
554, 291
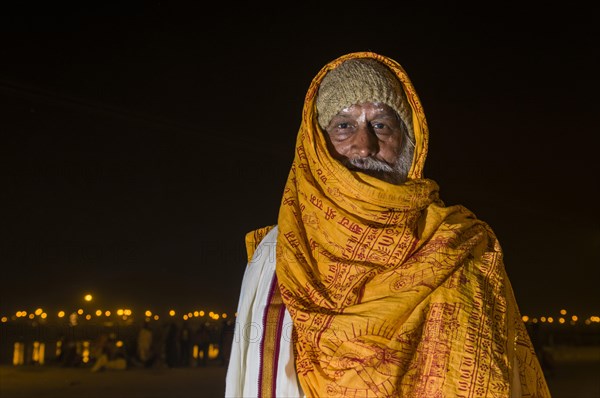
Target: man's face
368, 137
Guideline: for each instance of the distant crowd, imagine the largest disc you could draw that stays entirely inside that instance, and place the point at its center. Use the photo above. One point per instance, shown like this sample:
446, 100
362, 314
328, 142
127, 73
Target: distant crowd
155, 345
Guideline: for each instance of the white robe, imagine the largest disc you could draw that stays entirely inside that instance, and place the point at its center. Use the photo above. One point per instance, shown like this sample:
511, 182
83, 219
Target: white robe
244, 365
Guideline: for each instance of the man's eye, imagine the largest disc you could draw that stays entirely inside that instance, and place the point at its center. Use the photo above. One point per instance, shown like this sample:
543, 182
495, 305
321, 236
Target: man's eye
378, 126
343, 125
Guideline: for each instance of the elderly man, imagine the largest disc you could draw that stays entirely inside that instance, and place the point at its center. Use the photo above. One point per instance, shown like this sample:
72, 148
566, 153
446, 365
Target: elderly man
369, 286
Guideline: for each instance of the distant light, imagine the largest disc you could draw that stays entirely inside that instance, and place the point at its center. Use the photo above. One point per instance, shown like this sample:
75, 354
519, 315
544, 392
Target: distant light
18, 353
534, 320
543, 319
185, 317
31, 316
550, 319
213, 351
107, 313
4, 319
201, 313
563, 312
61, 314
98, 312
119, 312
156, 317
35, 353
88, 317
88, 297
85, 352
148, 313
172, 312
39, 311
127, 312
80, 311
561, 320
574, 318
525, 318
44, 315
224, 315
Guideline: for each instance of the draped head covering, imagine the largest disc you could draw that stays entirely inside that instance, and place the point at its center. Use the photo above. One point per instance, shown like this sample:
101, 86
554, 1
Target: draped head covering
391, 292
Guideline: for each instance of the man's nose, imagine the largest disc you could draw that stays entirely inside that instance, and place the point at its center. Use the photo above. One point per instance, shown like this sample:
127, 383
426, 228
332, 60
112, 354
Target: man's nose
365, 143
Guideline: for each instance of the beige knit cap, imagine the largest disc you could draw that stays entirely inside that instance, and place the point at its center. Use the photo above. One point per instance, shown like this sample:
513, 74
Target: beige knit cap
361, 80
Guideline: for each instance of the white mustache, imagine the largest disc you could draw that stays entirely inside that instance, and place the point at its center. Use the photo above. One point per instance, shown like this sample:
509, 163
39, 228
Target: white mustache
369, 163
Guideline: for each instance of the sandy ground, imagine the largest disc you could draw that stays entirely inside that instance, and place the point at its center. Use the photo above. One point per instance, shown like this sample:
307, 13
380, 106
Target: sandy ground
56, 382
567, 380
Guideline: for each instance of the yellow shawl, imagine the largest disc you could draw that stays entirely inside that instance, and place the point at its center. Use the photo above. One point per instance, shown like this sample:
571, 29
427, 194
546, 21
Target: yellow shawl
391, 292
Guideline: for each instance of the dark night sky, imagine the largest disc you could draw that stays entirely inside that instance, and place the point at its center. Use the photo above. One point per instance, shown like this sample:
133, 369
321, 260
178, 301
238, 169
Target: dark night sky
137, 150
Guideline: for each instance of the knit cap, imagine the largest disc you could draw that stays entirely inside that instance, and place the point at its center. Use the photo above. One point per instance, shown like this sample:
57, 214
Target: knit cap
361, 80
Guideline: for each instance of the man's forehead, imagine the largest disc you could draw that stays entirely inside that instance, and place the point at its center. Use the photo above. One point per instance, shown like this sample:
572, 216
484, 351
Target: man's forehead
378, 107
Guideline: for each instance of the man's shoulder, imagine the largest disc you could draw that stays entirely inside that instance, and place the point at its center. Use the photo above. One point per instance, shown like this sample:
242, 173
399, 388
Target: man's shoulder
253, 239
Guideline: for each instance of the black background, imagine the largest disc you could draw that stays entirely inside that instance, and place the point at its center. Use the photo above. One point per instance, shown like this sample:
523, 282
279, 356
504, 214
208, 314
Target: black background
141, 143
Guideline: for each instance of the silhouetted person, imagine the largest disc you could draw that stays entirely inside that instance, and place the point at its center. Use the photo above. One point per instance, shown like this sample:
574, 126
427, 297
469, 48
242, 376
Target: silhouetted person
69, 356
185, 344
108, 355
225, 341
202, 340
159, 346
144, 352
172, 345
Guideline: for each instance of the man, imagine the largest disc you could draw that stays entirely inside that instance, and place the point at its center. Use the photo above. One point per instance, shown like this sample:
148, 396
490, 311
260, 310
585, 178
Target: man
144, 345
369, 286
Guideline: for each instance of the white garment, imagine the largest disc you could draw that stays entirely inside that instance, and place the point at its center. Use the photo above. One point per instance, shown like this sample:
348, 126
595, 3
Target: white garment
244, 365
